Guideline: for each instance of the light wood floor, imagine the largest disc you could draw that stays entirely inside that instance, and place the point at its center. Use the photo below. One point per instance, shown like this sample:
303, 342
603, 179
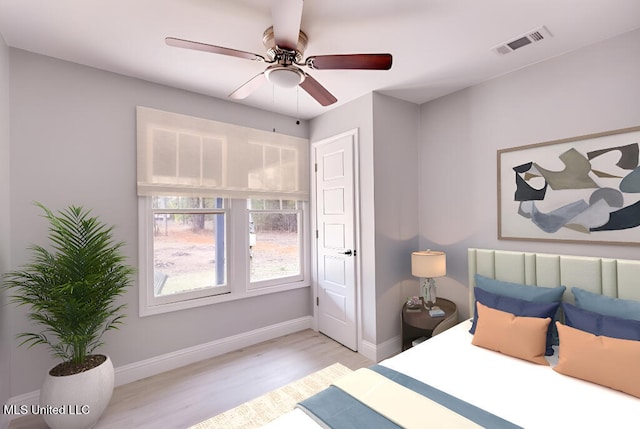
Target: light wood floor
188, 395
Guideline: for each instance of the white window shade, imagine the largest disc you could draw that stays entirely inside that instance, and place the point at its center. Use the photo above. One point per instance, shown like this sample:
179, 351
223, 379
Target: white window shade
184, 155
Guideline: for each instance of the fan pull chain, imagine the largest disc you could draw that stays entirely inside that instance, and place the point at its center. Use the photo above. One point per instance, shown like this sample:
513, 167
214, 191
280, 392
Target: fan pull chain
297, 105
273, 103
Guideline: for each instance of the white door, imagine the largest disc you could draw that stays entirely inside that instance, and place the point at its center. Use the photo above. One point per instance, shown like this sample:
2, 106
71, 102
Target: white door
335, 245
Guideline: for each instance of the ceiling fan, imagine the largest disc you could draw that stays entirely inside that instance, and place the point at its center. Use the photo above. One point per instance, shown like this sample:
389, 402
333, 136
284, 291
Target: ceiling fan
285, 44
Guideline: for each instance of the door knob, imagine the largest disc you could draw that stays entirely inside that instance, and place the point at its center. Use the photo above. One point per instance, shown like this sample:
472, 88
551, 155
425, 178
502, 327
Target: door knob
348, 252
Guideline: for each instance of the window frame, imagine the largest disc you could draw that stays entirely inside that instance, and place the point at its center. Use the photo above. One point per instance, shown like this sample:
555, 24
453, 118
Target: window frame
259, 284
196, 293
238, 284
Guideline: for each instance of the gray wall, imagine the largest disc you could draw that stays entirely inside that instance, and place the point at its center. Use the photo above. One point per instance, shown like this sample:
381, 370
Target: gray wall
396, 126
388, 136
591, 90
73, 141
5, 227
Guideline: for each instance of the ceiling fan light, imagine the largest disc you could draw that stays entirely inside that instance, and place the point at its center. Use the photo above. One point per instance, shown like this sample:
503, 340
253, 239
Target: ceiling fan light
285, 77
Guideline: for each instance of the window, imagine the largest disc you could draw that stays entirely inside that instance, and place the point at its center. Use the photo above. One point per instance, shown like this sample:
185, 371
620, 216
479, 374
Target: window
187, 258
275, 241
222, 211
188, 246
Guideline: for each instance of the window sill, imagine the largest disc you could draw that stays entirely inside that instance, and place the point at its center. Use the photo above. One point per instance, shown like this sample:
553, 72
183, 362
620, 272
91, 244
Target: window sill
146, 310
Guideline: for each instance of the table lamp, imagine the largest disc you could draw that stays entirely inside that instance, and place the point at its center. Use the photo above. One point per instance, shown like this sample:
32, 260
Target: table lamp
428, 264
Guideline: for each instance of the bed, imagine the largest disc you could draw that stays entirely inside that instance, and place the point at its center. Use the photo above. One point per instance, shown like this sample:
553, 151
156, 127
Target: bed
516, 392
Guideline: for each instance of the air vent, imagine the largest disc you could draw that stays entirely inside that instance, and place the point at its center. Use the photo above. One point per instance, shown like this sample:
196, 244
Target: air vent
533, 36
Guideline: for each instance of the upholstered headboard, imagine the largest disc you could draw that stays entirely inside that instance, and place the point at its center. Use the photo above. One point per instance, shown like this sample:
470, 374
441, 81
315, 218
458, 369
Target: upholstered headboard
618, 278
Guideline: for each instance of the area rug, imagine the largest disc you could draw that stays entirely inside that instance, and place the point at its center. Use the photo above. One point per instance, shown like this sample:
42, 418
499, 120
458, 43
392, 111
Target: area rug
272, 405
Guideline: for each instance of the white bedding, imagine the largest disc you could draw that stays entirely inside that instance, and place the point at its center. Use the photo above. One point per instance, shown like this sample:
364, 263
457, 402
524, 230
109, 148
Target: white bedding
529, 395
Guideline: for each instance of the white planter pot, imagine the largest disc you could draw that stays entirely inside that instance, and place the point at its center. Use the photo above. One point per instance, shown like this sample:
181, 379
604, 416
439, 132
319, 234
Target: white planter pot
77, 401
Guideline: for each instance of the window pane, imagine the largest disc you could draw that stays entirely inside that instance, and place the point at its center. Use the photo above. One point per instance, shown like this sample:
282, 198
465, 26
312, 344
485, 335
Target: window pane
255, 204
289, 204
274, 246
272, 204
259, 204
188, 252
187, 203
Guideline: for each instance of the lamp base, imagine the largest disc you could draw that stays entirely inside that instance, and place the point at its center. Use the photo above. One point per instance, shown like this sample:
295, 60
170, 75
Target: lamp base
428, 292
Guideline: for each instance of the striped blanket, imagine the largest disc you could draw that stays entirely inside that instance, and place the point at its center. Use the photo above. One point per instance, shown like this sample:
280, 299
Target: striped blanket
379, 397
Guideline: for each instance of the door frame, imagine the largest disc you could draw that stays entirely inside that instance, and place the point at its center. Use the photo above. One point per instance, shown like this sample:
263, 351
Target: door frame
356, 228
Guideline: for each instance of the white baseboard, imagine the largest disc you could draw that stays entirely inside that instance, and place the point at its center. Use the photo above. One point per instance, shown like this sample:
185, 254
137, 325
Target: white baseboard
26, 400
378, 352
156, 365
4, 421
159, 364
389, 348
368, 350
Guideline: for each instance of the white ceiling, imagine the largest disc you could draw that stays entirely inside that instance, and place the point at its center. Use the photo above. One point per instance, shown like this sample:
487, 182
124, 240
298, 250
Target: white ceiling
438, 46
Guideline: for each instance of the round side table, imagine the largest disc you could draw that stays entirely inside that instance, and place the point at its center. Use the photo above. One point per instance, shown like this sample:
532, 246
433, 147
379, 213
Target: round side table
417, 323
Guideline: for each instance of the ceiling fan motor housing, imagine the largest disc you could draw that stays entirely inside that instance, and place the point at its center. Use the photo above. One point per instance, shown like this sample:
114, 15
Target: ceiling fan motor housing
280, 55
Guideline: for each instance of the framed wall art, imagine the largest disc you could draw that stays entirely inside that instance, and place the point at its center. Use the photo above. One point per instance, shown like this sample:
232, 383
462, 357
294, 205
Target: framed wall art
580, 189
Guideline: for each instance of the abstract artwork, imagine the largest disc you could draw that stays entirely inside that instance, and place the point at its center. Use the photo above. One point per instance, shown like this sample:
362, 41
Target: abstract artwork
580, 189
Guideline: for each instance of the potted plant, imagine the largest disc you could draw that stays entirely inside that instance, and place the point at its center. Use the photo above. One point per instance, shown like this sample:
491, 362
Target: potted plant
71, 291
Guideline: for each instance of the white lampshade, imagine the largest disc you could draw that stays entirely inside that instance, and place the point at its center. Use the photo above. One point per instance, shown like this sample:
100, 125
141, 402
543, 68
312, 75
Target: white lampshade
428, 264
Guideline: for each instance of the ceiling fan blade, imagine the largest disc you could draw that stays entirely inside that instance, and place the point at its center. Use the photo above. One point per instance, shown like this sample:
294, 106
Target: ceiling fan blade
198, 46
350, 61
317, 91
248, 87
286, 16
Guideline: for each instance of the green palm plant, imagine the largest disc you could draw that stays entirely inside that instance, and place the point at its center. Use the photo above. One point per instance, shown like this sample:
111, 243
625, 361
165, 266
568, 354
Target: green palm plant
72, 290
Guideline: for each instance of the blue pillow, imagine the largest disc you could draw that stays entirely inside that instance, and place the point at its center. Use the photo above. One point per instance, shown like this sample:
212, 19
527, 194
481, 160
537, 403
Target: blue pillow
600, 324
623, 308
518, 307
520, 291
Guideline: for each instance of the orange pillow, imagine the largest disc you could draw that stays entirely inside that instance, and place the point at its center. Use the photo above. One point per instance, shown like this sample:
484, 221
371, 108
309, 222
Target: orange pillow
610, 362
517, 336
